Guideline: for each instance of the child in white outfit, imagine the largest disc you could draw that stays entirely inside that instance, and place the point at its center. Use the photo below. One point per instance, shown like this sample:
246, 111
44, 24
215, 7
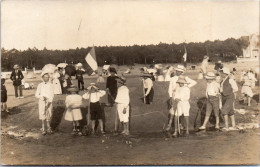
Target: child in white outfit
45, 94
73, 103
182, 96
123, 100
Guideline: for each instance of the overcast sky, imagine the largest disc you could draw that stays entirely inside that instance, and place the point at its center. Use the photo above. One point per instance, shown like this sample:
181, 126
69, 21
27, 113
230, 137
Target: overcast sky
56, 24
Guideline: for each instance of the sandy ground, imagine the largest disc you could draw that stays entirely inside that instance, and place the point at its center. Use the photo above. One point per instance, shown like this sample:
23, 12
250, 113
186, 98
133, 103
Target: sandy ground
22, 143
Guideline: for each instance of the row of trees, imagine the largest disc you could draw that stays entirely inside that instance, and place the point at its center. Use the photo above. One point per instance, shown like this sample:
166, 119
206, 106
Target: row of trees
127, 55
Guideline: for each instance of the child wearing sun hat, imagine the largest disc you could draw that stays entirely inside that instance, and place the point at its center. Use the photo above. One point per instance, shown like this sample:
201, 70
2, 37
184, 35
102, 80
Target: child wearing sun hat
123, 100
94, 95
212, 94
181, 97
73, 113
45, 94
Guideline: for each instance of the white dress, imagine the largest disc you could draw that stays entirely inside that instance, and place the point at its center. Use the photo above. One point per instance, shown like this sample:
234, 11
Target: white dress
73, 103
56, 84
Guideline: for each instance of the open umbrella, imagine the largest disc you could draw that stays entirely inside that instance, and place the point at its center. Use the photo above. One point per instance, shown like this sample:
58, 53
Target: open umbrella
62, 65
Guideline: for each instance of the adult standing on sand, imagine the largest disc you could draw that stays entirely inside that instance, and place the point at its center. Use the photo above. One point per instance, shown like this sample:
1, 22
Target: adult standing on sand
16, 77
204, 66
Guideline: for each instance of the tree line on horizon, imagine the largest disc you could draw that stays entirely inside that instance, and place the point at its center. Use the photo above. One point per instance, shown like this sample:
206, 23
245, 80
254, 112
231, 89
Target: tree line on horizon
226, 50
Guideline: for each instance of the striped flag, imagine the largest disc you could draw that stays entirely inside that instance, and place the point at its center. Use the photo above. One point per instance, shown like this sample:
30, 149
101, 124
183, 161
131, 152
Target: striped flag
91, 61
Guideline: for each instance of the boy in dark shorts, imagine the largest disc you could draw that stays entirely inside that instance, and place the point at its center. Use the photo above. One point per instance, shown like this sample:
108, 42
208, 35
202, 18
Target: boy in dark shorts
94, 95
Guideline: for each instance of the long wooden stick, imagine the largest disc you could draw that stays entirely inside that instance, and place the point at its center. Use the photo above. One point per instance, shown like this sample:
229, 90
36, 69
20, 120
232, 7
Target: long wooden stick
144, 92
89, 108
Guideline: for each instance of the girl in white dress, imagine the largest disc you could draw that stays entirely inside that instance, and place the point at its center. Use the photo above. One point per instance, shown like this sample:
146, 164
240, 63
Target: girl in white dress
73, 113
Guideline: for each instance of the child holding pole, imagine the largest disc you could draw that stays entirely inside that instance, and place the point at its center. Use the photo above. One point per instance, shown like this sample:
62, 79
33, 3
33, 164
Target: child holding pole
212, 94
94, 95
45, 94
182, 96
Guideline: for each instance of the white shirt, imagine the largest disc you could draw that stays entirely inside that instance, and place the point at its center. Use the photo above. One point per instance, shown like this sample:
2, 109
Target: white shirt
123, 95
213, 89
94, 97
182, 93
232, 82
148, 84
45, 89
173, 84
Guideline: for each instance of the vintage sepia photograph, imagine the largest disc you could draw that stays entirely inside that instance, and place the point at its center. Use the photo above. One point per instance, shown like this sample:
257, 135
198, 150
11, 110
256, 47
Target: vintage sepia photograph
130, 82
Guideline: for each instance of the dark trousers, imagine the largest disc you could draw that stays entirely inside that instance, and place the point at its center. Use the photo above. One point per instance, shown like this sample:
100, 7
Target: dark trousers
81, 82
111, 98
149, 97
16, 88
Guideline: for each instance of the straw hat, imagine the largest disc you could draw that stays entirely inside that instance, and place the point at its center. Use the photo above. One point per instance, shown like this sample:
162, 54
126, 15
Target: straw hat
182, 80
225, 70
92, 85
180, 68
73, 88
205, 57
79, 65
43, 73
210, 75
16, 66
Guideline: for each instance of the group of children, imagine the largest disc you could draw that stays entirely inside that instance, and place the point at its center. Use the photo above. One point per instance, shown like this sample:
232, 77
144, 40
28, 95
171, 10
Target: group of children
73, 101
220, 93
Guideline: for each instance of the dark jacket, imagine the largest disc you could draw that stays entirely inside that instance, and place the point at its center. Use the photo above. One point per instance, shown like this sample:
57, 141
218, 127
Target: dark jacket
227, 89
79, 74
17, 77
112, 84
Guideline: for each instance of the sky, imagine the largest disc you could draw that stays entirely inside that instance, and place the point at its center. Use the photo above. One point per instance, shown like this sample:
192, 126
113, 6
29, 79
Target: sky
64, 24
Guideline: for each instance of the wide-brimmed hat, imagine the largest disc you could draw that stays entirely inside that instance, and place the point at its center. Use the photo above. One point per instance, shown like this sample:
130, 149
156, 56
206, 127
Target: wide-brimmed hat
225, 70
182, 80
121, 80
79, 65
92, 85
16, 66
73, 88
206, 57
180, 68
112, 69
44, 72
210, 75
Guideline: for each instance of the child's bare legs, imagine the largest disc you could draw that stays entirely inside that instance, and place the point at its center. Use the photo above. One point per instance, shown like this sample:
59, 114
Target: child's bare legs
249, 101
5, 107
93, 123
232, 117
205, 122
217, 123
126, 128
48, 126
187, 124
101, 125
78, 127
170, 122
226, 121
175, 134
43, 127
